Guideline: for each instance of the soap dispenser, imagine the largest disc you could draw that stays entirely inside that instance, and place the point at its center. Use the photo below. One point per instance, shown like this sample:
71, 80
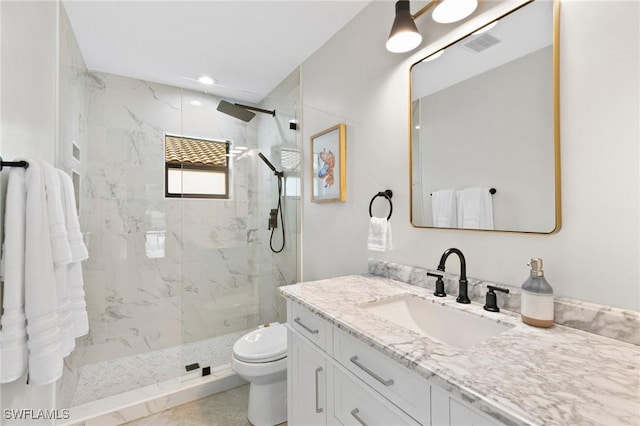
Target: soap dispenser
537, 298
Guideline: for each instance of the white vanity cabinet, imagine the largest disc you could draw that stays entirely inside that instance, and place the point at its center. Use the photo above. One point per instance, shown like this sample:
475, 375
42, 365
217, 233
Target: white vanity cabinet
307, 383
337, 379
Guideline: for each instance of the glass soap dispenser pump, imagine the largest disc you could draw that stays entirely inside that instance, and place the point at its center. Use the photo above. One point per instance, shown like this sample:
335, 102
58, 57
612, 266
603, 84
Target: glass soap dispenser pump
537, 298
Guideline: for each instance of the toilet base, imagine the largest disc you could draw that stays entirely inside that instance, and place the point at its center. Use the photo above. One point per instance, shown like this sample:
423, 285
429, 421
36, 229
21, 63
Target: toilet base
267, 404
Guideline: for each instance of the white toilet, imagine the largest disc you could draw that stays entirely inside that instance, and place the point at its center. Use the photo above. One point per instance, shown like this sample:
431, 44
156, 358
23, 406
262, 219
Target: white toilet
260, 357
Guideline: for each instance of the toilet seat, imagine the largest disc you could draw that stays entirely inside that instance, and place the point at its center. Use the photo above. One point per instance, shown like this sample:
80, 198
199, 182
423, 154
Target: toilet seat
266, 344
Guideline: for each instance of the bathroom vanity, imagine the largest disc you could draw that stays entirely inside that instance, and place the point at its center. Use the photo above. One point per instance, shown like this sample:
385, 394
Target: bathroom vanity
362, 351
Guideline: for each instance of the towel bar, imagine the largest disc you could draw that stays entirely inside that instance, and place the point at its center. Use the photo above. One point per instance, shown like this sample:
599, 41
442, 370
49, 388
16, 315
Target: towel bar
4, 164
491, 191
386, 194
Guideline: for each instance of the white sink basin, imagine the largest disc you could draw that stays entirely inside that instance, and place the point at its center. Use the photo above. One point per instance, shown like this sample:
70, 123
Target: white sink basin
445, 324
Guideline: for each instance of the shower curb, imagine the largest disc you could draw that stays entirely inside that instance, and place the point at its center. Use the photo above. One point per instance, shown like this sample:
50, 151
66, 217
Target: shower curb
119, 409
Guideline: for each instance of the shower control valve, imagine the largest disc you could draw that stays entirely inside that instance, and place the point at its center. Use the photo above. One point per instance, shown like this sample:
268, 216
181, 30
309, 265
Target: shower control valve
273, 219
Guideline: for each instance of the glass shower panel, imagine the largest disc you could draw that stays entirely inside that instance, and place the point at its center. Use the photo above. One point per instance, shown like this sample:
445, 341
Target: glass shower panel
230, 276
219, 286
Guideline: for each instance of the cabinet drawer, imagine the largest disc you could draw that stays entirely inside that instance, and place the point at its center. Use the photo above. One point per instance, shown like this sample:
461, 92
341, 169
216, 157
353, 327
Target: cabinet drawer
354, 404
310, 326
393, 381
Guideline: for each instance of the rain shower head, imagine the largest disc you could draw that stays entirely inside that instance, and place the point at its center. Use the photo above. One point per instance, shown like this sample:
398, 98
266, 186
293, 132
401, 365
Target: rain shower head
235, 111
242, 112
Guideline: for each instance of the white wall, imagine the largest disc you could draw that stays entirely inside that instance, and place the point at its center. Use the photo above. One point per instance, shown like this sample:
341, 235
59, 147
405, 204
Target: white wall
594, 257
493, 130
28, 125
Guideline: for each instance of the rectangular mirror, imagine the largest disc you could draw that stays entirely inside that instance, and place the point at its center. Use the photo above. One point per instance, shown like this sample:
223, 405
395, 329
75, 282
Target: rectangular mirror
484, 133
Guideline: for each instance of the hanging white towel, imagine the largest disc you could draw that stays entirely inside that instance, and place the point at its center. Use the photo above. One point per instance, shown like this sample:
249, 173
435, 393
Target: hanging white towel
61, 251
379, 234
45, 358
443, 208
476, 207
13, 346
79, 253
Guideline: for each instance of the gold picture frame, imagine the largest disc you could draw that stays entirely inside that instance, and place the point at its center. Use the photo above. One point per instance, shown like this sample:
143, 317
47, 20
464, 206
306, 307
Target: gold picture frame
329, 165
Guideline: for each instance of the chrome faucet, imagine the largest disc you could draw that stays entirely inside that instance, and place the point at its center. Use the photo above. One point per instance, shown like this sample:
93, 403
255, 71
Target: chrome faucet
462, 289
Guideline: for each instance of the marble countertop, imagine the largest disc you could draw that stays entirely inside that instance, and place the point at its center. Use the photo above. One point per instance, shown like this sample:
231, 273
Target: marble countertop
526, 375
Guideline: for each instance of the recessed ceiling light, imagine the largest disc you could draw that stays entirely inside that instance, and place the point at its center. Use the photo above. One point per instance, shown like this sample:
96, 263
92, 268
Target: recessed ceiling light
235, 151
204, 79
196, 103
242, 148
485, 28
418, 127
449, 11
230, 155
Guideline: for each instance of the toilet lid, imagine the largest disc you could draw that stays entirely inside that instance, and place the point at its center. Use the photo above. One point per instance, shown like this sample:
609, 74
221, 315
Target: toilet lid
262, 345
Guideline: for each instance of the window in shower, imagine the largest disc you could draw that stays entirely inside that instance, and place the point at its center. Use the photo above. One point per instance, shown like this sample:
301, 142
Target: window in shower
196, 168
290, 160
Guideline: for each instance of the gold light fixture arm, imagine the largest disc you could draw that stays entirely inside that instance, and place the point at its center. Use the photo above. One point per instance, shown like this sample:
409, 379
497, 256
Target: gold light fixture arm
425, 9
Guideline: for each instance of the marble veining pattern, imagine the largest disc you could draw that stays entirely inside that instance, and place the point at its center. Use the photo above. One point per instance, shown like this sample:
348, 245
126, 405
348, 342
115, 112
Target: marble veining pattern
606, 321
526, 375
120, 375
213, 274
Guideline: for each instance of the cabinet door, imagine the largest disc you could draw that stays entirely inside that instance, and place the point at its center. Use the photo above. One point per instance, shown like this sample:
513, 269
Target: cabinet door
307, 377
446, 411
464, 416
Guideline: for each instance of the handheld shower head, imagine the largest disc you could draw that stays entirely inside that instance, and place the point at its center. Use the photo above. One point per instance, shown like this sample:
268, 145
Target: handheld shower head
267, 162
273, 216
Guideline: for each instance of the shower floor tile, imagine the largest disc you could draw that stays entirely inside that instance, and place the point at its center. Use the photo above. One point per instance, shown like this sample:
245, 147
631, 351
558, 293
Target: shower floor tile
120, 375
223, 409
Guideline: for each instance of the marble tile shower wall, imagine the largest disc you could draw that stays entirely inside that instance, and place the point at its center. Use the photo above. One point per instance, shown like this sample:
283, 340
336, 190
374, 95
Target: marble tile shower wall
202, 283
73, 101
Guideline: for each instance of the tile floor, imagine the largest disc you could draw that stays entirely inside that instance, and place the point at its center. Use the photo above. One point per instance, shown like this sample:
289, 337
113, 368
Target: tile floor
223, 409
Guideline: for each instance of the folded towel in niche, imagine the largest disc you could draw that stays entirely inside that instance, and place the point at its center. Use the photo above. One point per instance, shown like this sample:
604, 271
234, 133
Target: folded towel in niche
379, 234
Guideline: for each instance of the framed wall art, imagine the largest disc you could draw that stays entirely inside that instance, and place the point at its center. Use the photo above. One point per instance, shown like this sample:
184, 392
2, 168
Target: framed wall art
329, 165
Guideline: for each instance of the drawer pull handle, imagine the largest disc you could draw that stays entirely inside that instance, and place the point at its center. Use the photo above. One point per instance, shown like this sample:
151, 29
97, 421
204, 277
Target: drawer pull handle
354, 413
354, 359
297, 321
318, 409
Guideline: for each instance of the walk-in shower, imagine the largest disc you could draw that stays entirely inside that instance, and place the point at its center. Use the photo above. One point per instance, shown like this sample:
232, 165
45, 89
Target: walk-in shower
172, 283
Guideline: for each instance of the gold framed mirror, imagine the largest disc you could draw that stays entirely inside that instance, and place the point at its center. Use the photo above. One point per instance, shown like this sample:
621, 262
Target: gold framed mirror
484, 127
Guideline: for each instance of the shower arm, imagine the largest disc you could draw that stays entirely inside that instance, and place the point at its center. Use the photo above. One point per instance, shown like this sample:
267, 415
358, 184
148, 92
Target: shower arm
250, 108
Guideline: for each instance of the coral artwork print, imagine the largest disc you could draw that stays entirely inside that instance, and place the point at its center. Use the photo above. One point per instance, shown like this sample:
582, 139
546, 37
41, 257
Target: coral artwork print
328, 162
328, 167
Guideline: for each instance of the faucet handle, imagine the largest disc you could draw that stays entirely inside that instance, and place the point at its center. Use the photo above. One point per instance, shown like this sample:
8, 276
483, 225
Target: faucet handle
491, 303
439, 285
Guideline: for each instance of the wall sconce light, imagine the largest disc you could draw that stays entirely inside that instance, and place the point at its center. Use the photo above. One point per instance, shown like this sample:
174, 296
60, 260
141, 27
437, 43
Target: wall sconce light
448, 11
404, 35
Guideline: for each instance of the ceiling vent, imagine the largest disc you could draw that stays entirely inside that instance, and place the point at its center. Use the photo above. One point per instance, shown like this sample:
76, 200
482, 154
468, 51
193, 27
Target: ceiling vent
481, 42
